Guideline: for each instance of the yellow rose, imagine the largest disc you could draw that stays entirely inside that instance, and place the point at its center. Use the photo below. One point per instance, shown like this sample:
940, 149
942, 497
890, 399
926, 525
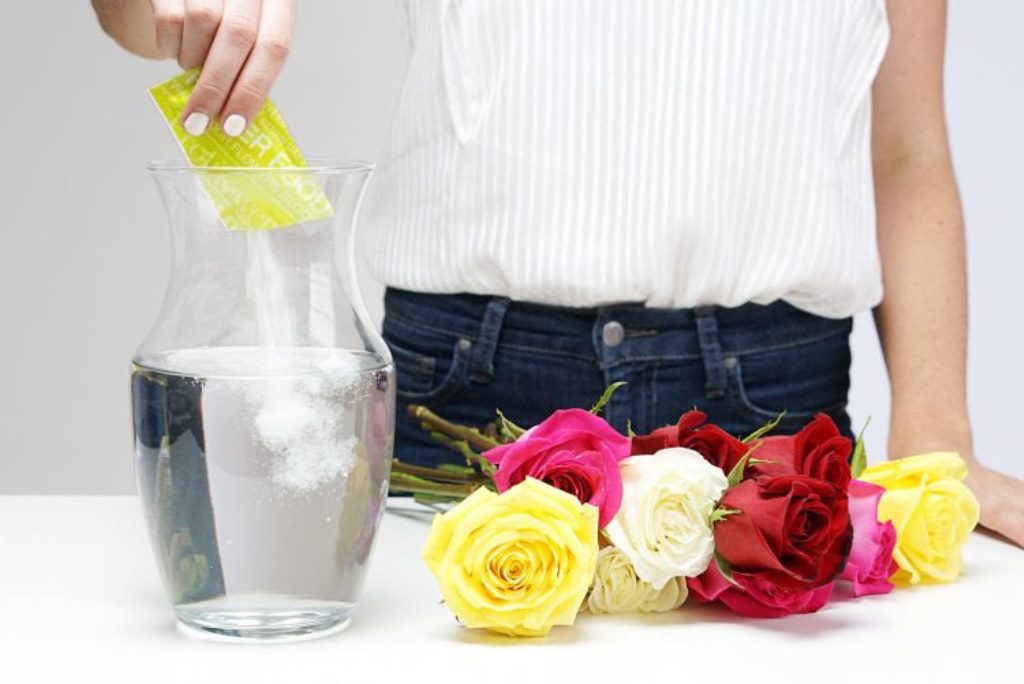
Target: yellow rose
932, 510
617, 589
516, 563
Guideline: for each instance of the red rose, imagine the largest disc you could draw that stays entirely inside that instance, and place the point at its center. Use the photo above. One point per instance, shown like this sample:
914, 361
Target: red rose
819, 450
754, 596
716, 445
668, 436
791, 531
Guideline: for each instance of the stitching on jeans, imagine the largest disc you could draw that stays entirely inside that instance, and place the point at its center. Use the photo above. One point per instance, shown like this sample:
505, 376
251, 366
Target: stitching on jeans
591, 360
402, 320
747, 404
787, 345
648, 359
452, 381
726, 352
503, 345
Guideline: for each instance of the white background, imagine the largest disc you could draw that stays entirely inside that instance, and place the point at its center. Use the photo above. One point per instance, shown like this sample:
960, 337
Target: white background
82, 247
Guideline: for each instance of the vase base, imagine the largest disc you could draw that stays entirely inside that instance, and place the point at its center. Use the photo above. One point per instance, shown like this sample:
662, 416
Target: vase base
262, 626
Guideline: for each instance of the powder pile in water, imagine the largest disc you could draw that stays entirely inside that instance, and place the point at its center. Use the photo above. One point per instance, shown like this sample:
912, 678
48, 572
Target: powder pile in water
297, 406
301, 422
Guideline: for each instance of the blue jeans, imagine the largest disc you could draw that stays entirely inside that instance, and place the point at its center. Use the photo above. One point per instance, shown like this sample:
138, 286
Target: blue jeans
466, 355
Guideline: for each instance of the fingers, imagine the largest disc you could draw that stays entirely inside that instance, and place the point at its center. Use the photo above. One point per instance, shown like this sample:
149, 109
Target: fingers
169, 16
231, 43
1009, 523
202, 17
262, 67
241, 45
1007, 519
1002, 502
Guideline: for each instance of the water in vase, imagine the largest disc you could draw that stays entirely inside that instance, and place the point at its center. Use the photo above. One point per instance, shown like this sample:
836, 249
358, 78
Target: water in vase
262, 471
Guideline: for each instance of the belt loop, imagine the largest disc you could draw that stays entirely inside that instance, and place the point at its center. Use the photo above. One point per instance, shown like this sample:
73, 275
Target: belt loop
716, 379
481, 362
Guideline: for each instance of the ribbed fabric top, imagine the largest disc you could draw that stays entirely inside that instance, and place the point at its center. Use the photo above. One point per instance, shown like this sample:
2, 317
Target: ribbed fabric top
671, 152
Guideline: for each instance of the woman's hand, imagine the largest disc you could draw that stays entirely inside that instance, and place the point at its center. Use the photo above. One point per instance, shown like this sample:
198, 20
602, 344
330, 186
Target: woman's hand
1001, 496
1002, 501
241, 45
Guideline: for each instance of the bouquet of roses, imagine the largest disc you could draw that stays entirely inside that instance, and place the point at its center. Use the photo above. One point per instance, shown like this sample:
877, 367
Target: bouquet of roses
572, 515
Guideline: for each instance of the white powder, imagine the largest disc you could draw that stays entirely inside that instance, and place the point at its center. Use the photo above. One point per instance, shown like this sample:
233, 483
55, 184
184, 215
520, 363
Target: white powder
299, 420
301, 423
297, 405
267, 287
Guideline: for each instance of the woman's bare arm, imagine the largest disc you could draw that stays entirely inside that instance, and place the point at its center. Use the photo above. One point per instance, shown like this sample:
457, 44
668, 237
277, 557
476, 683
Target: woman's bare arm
241, 45
922, 321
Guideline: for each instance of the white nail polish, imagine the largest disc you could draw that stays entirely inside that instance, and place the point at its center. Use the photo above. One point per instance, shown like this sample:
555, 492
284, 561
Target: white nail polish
196, 123
234, 125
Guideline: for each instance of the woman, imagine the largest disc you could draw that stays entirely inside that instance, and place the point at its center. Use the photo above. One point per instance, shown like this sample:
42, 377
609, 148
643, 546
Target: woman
691, 196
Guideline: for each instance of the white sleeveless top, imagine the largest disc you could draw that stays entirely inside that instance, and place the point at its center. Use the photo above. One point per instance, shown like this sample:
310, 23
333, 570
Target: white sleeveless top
671, 152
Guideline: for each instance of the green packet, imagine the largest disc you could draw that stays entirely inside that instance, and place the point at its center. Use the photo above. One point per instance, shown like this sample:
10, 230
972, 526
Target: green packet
246, 201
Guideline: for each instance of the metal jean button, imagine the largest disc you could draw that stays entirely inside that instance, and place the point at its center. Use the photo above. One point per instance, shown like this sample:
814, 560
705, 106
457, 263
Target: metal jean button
613, 333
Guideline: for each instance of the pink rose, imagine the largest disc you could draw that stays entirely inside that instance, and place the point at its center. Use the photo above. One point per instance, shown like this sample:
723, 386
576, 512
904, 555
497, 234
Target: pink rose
756, 596
871, 563
572, 450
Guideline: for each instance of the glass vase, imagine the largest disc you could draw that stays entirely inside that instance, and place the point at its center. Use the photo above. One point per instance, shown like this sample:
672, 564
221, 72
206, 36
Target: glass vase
263, 407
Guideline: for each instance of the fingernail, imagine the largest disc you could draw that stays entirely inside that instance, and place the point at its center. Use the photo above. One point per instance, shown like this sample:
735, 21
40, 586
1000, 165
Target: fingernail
234, 125
196, 123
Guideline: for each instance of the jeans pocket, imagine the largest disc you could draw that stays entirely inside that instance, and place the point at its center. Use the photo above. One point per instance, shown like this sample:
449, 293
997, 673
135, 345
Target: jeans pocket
803, 381
424, 378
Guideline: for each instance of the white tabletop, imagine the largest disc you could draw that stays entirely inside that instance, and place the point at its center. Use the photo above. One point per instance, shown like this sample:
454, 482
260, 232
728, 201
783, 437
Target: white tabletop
80, 600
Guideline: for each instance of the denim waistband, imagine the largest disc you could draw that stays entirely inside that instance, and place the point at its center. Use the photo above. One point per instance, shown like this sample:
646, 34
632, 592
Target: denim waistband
662, 334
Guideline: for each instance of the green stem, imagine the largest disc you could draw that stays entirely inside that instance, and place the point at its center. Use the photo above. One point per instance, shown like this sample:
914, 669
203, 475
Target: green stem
436, 474
491, 431
460, 446
433, 421
430, 499
401, 482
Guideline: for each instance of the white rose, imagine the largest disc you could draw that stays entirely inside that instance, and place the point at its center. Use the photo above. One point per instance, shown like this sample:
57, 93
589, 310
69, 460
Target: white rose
617, 589
662, 525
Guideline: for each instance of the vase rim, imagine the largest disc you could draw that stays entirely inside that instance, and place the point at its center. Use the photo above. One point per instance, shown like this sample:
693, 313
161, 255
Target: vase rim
317, 165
